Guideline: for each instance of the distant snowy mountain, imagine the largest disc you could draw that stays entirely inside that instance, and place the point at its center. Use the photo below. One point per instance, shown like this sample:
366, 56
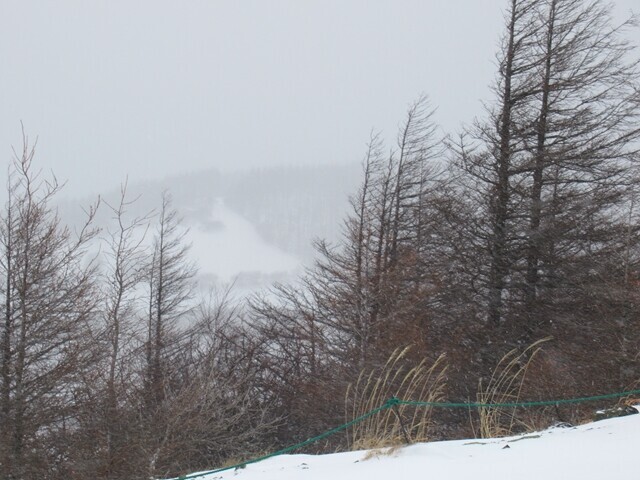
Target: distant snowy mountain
251, 228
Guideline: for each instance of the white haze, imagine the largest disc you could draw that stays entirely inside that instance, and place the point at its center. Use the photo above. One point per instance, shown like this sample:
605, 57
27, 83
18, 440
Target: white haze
151, 88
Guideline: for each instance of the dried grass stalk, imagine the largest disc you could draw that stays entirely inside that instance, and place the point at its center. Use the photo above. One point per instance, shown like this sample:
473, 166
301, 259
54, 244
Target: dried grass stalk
373, 388
505, 386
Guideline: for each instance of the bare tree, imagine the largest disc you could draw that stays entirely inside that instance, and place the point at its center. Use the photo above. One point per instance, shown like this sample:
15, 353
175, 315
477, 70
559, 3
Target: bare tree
49, 298
582, 139
170, 283
493, 157
123, 274
170, 287
215, 408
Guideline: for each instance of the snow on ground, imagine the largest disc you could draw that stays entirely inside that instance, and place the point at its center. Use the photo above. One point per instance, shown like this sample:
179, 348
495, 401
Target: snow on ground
596, 451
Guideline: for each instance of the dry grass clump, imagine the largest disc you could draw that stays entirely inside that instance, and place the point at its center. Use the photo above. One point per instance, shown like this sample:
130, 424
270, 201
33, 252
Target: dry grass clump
632, 401
381, 452
422, 382
505, 386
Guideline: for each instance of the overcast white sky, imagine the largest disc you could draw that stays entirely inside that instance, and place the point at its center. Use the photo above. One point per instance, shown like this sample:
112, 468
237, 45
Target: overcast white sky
150, 88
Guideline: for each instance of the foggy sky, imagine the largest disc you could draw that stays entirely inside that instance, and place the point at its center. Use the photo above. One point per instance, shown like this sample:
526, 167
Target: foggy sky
149, 88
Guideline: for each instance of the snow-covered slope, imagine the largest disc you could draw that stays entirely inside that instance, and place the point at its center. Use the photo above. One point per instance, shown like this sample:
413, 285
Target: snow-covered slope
227, 246
252, 228
596, 451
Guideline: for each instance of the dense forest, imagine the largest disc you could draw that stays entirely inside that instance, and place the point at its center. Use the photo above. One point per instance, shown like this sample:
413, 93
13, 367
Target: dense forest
466, 260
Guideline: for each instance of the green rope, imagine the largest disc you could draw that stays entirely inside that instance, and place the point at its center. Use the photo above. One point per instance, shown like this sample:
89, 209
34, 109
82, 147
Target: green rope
396, 401
538, 403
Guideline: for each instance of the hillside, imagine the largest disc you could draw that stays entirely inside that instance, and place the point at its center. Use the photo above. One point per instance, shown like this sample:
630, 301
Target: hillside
253, 227
595, 451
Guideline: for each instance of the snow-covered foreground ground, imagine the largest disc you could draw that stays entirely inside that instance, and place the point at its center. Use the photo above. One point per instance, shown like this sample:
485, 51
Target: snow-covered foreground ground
596, 451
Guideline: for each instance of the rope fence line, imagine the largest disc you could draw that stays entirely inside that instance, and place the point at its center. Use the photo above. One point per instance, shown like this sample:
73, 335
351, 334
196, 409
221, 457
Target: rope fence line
538, 403
393, 402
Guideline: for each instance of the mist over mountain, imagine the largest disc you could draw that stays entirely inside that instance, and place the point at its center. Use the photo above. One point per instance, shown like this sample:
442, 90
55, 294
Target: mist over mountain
252, 227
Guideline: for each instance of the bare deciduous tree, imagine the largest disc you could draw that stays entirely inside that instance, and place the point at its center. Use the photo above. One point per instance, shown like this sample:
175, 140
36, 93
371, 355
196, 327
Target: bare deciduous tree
49, 297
